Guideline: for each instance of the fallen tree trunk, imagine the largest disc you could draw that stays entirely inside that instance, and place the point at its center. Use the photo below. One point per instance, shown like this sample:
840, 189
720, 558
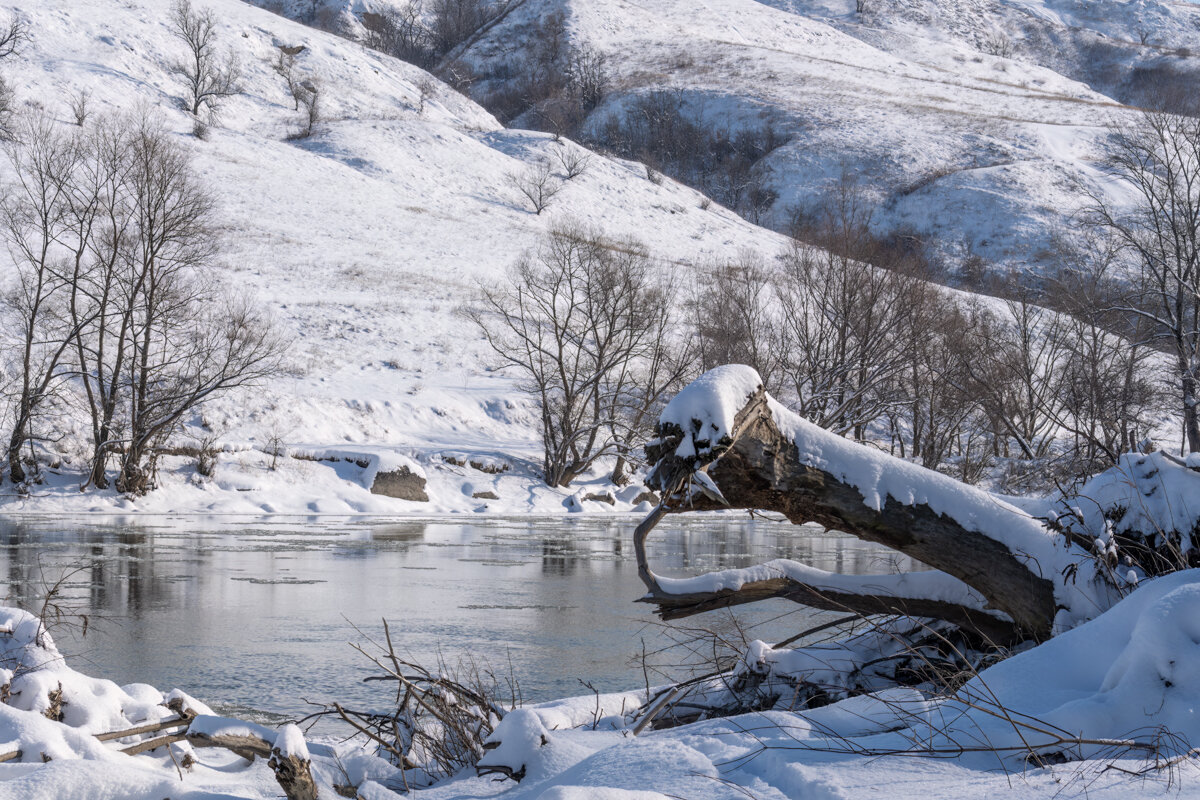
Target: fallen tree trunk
724, 443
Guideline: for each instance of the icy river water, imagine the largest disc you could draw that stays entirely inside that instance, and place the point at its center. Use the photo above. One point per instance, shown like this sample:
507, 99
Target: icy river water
256, 617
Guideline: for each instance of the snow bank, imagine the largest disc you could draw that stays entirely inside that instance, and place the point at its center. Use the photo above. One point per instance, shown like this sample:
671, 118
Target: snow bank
40, 683
1146, 495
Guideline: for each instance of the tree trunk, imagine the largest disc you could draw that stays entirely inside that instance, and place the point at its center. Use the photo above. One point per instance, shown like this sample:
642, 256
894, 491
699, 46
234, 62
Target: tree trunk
16, 470
1191, 413
757, 466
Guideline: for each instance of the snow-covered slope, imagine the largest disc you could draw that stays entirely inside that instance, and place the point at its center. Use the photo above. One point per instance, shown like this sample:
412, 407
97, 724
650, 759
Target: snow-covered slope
970, 117
363, 240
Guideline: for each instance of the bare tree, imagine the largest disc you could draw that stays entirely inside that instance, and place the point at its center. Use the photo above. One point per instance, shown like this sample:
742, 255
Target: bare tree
536, 184
103, 231
571, 321
209, 75
1017, 369
35, 214
1107, 389
1159, 158
79, 103
427, 89
308, 95
847, 313
12, 37
453, 21
734, 317
401, 32
937, 406
638, 388
285, 67
843, 322
587, 76
8, 107
187, 340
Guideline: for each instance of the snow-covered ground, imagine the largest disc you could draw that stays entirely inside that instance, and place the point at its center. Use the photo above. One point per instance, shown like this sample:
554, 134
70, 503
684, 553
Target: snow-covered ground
364, 241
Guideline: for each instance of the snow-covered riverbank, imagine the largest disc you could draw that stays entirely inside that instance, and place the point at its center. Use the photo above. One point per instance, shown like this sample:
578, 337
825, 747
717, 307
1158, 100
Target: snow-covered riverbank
1105, 706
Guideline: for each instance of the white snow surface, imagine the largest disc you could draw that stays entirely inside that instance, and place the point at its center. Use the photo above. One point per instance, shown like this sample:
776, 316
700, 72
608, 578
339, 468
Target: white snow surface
1149, 494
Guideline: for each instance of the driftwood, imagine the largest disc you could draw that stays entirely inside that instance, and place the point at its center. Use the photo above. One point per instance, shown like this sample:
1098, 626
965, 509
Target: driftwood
154, 727
293, 773
758, 467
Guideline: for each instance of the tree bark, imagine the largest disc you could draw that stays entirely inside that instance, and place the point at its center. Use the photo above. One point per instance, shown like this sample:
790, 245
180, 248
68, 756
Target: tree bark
760, 468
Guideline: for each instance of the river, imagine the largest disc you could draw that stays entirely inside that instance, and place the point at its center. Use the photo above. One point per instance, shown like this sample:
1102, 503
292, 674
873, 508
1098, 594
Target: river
255, 617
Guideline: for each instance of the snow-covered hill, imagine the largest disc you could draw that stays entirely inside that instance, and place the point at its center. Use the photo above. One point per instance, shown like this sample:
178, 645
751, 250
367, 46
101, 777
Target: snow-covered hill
364, 241
976, 120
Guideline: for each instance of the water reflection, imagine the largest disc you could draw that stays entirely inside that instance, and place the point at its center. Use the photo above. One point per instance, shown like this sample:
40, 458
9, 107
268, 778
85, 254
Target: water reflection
257, 616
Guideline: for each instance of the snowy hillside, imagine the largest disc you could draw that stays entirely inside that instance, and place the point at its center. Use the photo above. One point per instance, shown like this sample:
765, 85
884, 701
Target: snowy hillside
364, 241
974, 119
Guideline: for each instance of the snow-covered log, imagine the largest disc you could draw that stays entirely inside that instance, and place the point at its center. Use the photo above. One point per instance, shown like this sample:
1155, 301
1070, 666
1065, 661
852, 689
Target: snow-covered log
998, 571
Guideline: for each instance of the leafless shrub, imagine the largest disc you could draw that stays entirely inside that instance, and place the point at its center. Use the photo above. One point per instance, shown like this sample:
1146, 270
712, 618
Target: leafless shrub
285, 67
537, 185
79, 106
208, 75
587, 76
201, 129
207, 454
573, 160
439, 718
275, 447
997, 43
426, 91
308, 97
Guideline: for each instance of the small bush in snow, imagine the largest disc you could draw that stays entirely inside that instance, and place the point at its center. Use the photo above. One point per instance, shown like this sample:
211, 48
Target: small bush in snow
537, 185
79, 106
573, 160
